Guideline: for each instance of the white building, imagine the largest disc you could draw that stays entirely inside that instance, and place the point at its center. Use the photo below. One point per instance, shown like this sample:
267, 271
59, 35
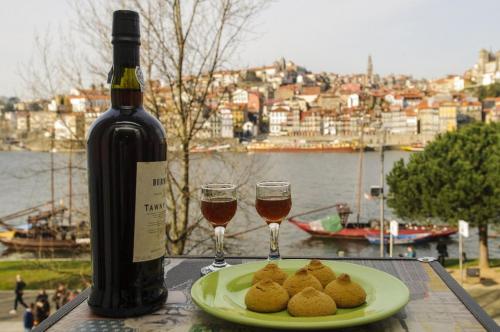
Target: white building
240, 96
353, 100
278, 121
88, 100
226, 123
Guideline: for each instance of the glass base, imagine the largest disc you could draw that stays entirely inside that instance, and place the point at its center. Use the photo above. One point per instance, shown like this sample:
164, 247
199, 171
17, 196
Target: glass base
274, 257
213, 267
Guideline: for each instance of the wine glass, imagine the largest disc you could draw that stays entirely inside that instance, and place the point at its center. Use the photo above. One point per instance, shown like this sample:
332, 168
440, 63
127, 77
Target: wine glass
218, 206
273, 203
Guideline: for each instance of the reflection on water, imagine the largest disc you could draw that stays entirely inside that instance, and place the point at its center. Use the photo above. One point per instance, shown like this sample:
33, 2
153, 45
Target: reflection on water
318, 180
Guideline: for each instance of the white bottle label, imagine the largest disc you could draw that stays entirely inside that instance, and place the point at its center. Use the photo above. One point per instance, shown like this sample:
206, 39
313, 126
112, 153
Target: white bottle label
150, 211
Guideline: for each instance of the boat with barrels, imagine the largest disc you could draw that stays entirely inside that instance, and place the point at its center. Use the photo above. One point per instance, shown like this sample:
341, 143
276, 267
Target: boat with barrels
46, 229
333, 222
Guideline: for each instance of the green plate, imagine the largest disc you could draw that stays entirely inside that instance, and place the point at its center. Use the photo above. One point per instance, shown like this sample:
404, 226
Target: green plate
222, 294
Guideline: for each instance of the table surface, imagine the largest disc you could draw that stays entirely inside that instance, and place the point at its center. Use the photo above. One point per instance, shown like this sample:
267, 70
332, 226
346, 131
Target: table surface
437, 303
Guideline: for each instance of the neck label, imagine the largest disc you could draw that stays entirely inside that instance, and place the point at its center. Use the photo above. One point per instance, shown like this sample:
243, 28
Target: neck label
140, 77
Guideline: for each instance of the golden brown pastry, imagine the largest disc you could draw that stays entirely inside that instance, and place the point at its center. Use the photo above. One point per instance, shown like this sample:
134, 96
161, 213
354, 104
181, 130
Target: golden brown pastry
300, 280
266, 296
322, 272
270, 271
346, 293
310, 302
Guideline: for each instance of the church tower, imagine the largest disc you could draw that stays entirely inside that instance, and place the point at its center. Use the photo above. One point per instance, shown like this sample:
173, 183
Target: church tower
369, 70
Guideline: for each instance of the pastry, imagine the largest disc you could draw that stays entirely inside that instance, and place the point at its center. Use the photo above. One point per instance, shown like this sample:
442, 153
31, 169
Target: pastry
322, 272
346, 293
300, 280
266, 296
270, 271
310, 302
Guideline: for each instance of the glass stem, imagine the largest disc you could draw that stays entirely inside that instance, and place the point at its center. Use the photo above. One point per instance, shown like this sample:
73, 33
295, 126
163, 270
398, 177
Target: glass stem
219, 260
274, 250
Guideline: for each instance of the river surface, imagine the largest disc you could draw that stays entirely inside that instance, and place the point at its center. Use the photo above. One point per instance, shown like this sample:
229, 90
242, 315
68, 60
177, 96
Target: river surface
318, 180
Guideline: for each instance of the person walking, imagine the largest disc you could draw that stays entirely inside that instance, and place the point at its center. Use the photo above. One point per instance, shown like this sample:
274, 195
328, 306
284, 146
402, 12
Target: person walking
43, 298
410, 252
442, 250
59, 296
28, 319
19, 291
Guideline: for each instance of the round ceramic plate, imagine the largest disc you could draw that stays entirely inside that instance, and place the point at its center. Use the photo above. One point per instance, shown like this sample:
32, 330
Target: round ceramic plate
222, 294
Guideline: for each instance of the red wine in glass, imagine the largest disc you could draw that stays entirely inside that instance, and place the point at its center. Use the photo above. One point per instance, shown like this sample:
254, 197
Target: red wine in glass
273, 201
218, 206
273, 209
218, 211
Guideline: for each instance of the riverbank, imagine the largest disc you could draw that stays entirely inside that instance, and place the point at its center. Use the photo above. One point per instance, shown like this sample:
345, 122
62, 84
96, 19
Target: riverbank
262, 143
45, 273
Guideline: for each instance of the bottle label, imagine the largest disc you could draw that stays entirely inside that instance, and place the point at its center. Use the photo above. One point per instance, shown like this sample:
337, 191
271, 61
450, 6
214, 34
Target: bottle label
150, 211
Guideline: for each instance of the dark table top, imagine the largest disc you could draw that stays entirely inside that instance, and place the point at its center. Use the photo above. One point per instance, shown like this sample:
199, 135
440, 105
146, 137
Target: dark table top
437, 303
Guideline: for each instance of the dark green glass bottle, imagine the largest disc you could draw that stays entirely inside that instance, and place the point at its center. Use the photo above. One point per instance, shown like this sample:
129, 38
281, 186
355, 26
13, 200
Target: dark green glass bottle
127, 152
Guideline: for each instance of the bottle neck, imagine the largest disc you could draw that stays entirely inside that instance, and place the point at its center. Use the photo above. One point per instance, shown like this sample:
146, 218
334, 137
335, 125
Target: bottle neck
126, 80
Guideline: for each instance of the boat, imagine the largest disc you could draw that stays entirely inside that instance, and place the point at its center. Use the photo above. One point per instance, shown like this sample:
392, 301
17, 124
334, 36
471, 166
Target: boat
331, 222
44, 230
43, 244
209, 149
412, 235
306, 147
417, 147
328, 223
48, 227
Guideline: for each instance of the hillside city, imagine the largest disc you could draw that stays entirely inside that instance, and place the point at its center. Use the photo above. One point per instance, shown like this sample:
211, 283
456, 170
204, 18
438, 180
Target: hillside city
285, 102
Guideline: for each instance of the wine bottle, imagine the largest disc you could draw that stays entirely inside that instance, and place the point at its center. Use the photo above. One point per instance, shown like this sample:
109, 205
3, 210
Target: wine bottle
126, 153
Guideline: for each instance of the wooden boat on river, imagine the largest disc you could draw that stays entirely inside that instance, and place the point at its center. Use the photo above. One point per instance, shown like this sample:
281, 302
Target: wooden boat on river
332, 222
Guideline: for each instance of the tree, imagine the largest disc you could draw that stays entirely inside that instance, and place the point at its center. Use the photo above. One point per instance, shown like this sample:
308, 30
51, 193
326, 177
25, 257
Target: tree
488, 91
456, 177
184, 45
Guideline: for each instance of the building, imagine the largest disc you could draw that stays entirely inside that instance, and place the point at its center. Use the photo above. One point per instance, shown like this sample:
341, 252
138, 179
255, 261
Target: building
428, 119
353, 100
449, 84
447, 116
293, 123
310, 122
286, 91
240, 96
328, 127
226, 123
487, 69
278, 119
411, 121
254, 101
310, 93
329, 101
92, 100
69, 126
491, 108
394, 121
469, 111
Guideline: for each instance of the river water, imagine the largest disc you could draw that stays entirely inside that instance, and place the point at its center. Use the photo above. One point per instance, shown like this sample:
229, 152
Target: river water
318, 180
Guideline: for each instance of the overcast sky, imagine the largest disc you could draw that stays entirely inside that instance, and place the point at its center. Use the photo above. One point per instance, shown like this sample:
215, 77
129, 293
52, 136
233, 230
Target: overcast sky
426, 38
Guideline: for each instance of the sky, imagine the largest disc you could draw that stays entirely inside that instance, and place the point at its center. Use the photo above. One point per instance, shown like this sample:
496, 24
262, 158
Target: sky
424, 38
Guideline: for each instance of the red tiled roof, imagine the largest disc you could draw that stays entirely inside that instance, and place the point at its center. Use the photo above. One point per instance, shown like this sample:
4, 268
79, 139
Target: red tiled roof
311, 90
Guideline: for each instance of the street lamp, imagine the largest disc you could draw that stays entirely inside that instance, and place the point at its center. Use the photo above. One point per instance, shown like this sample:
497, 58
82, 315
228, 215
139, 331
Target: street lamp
378, 191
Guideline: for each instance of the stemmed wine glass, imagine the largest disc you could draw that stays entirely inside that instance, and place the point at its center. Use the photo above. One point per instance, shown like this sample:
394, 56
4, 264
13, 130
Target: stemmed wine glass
218, 206
273, 203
